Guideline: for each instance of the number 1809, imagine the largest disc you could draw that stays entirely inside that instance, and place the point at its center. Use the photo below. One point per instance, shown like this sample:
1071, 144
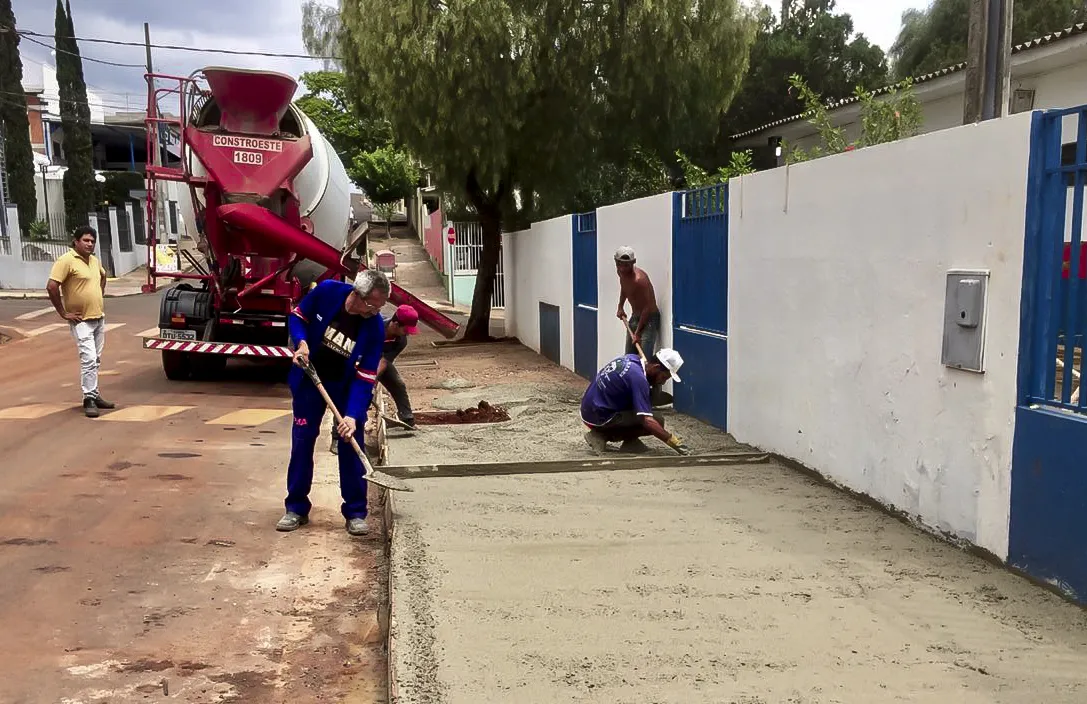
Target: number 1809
242, 157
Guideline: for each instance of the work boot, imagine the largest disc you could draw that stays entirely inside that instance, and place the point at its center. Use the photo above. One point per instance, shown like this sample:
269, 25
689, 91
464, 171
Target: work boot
90, 408
409, 421
291, 521
635, 446
103, 403
357, 526
597, 442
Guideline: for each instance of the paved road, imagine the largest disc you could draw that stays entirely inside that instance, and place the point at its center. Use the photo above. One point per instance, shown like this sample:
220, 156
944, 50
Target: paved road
137, 550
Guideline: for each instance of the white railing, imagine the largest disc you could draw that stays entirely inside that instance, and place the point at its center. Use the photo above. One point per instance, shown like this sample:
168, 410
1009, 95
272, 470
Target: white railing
467, 253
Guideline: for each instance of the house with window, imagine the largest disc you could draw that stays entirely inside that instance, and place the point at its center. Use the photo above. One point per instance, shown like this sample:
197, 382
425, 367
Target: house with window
1047, 72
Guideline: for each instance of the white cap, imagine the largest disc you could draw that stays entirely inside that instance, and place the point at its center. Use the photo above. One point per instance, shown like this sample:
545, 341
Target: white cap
625, 254
671, 361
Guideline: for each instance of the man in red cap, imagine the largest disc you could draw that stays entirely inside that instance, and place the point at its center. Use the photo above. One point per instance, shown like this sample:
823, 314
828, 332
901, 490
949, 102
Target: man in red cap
404, 322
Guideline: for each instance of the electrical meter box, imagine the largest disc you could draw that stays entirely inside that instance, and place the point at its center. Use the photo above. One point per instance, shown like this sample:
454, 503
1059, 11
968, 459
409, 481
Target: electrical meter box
964, 319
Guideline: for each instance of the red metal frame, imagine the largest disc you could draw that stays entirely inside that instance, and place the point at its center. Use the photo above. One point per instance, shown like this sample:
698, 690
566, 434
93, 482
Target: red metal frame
265, 245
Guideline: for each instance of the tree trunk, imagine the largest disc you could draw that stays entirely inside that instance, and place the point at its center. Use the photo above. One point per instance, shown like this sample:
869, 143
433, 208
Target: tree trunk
489, 209
479, 322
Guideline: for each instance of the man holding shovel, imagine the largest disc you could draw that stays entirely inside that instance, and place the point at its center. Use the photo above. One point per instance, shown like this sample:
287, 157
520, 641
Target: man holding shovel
404, 322
616, 406
644, 324
337, 329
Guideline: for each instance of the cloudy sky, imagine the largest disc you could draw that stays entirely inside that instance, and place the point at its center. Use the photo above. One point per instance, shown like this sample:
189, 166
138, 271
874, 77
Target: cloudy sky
250, 25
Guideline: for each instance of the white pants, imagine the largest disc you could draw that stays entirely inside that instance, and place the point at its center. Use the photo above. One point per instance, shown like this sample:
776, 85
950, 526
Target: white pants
90, 338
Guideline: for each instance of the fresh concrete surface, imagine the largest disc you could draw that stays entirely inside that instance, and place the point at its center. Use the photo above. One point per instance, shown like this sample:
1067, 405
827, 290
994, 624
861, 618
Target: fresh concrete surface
748, 583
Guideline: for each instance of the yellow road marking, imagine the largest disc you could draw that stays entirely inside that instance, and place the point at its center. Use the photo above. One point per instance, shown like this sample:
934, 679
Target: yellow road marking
142, 414
111, 372
114, 326
250, 416
33, 411
149, 332
35, 314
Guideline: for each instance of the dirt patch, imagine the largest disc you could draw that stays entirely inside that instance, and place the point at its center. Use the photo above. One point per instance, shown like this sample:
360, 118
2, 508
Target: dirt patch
482, 413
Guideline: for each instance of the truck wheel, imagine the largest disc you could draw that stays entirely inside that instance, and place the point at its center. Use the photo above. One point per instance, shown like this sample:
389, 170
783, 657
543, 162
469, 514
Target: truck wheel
207, 367
176, 365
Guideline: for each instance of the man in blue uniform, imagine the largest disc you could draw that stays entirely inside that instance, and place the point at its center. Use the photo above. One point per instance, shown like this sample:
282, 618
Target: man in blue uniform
337, 327
616, 406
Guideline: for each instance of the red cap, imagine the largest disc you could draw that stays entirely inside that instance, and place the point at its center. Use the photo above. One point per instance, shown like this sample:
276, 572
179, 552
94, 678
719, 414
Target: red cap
408, 318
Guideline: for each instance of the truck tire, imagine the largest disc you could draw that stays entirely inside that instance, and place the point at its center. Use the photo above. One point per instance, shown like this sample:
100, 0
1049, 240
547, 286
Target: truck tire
176, 365
207, 367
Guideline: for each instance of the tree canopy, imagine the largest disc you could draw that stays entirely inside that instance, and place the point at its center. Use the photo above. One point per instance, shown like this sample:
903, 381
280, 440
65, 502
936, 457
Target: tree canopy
510, 102
809, 39
18, 153
75, 120
936, 37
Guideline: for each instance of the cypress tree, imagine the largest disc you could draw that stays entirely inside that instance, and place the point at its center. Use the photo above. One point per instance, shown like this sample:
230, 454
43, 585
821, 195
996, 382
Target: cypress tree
18, 152
75, 120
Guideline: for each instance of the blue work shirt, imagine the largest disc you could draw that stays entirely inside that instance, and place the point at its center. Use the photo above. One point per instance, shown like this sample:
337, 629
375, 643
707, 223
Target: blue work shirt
620, 386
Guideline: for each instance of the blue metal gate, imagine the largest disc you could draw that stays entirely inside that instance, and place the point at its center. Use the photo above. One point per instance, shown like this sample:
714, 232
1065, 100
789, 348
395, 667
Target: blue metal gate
699, 301
585, 294
1049, 485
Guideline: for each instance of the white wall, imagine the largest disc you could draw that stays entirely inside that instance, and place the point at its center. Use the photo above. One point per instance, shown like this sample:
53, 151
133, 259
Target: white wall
537, 267
646, 226
836, 297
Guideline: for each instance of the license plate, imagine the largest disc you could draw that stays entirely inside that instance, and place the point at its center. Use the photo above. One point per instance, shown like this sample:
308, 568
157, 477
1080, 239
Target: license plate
177, 334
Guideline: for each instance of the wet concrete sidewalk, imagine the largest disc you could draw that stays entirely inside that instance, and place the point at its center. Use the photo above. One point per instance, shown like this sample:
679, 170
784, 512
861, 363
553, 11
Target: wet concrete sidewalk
747, 584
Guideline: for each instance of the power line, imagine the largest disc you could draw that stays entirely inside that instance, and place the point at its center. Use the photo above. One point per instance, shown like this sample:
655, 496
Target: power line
174, 47
5, 30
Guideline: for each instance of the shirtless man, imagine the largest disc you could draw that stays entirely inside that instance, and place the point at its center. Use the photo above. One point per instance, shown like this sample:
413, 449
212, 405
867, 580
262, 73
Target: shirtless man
645, 317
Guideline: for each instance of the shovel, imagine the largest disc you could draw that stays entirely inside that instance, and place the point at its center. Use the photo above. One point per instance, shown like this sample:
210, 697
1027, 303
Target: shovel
659, 397
374, 477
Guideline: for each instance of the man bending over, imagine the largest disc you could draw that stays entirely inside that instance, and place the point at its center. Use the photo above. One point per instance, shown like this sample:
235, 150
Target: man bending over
616, 406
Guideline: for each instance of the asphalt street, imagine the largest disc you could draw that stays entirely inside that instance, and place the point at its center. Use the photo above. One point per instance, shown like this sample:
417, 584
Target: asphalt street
137, 550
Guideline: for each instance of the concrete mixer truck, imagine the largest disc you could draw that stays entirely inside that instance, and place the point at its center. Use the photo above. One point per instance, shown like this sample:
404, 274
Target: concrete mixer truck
268, 200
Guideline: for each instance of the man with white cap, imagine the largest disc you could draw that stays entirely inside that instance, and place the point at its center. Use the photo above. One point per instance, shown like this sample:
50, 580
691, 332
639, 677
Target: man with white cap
616, 406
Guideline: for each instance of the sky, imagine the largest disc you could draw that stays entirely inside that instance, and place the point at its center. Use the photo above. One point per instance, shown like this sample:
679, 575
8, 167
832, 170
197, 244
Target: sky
252, 25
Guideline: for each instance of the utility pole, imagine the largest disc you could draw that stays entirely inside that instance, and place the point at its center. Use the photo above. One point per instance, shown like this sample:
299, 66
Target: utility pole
988, 60
153, 155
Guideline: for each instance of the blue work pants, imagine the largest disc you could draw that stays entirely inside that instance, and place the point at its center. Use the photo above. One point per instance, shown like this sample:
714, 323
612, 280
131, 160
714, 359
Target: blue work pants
309, 409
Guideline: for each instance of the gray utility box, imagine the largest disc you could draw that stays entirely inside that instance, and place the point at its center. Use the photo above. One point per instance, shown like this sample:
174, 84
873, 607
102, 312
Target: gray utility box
964, 319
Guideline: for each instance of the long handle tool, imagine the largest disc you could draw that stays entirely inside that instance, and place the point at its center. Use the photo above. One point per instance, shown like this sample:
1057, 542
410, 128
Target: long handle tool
374, 477
637, 345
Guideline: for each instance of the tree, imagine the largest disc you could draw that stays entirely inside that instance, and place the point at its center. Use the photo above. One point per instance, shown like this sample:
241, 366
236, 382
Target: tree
809, 39
388, 176
936, 37
18, 152
510, 103
75, 120
883, 119
320, 31
349, 132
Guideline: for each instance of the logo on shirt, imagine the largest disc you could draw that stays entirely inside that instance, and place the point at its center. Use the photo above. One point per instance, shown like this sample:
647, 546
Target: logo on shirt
337, 342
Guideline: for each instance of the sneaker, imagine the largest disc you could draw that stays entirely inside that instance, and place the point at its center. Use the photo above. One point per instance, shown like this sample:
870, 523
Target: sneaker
90, 408
103, 403
357, 526
596, 441
291, 521
635, 446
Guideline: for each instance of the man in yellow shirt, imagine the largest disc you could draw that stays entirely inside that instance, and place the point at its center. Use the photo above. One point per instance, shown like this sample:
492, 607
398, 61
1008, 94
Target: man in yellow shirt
77, 287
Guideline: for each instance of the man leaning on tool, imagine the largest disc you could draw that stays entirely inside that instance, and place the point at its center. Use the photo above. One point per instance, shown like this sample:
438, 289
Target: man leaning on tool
338, 329
77, 289
616, 406
404, 322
